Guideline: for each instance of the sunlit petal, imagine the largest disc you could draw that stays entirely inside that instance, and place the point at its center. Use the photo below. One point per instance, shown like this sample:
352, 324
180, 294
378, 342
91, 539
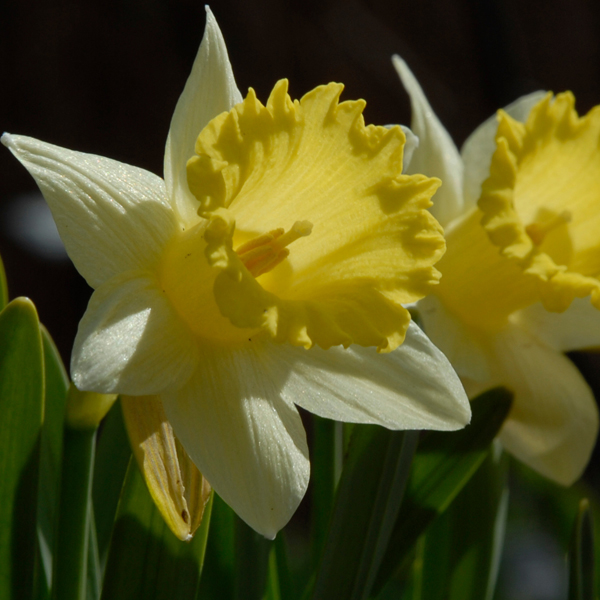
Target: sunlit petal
398, 390
246, 440
437, 155
130, 341
209, 90
177, 487
553, 424
578, 328
112, 217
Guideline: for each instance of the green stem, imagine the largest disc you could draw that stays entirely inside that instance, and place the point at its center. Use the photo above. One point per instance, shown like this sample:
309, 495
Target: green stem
71, 553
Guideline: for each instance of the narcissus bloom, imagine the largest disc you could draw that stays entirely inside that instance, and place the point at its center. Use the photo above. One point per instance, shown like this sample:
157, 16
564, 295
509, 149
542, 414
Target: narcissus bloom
268, 269
520, 206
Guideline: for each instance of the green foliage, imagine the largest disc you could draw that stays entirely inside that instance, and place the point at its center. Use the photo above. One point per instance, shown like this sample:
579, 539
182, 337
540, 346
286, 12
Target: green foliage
444, 464
56, 385
581, 555
458, 558
218, 573
366, 506
22, 410
251, 562
69, 573
112, 460
145, 559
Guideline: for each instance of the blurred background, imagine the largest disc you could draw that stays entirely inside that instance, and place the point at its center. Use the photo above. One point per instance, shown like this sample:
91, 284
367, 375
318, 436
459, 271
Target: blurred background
104, 76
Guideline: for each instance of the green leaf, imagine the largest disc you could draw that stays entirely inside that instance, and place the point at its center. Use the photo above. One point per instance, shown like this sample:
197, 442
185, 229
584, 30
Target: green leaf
145, 559
22, 410
57, 383
251, 562
3, 286
280, 585
581, 555
460, 554
367, 503
443, 465
70, 564
94, 568
112, 460
218, 574
326, 466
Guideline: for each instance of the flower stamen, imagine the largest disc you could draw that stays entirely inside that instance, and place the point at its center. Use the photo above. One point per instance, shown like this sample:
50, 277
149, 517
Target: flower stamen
537, 231
263, 253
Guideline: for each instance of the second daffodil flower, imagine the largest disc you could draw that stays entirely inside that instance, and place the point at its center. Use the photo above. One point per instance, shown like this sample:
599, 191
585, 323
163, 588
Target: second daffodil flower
268, 269
520, 279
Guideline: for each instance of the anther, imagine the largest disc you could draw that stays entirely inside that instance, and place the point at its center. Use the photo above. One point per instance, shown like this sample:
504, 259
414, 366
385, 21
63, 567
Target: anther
265, 252
538, 231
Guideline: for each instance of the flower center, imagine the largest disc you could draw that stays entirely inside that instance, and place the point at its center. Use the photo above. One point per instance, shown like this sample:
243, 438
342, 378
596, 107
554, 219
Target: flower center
263, 253
538, 230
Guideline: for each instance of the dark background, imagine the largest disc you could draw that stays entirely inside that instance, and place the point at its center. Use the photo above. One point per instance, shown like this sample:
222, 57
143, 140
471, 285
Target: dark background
104, 76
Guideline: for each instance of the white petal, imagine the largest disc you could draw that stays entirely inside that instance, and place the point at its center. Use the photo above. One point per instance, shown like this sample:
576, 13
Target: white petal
553, 424
437, 155
454, 339
130, 341
112, 217
209, 91
245, 439
480, 145
413, 387
411, 144
578, 328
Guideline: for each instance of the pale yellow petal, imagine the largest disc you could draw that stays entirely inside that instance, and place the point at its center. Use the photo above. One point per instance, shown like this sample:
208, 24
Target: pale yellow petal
437, 155
413, 387
246, 440
461, 344
112, 217
178, 489
578, 328
130, 340
209, 90
553, 424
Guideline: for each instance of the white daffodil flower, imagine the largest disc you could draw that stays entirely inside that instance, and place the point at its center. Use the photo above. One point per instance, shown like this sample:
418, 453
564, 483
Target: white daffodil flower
269, 269
520, 206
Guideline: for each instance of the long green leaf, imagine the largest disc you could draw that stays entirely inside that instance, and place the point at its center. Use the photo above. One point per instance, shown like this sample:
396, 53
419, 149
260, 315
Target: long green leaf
443, 465
113, 453
57, 383
581, 555
251, 562
460, 556
218, 573
70, 564
22, 410
326, 466
145, 559
367, 503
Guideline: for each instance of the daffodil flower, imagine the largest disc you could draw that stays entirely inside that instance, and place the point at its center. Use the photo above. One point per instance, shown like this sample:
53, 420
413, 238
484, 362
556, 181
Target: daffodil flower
520, 206
269, 269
